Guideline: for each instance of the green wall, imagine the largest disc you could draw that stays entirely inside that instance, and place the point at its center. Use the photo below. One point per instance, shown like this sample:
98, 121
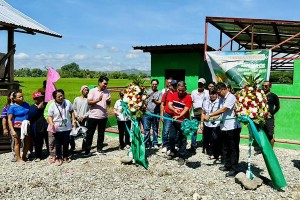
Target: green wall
193, 63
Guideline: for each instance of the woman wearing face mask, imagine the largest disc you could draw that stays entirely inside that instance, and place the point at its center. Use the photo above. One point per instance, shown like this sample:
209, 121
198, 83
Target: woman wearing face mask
61, 118
17, 113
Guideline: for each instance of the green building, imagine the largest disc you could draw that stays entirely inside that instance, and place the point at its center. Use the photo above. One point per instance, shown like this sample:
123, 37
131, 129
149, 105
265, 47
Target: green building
181, 62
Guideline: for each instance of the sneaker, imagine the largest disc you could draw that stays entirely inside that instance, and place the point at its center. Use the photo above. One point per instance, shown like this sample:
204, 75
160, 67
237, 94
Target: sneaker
87, 154
181, 161
37, 160
14, 159
164, 150
127, 146
100, 152
231, 173
155, 147
176, 148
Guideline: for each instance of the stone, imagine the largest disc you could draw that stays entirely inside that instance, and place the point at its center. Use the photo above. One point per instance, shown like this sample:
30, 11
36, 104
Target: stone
126, 159
196, 196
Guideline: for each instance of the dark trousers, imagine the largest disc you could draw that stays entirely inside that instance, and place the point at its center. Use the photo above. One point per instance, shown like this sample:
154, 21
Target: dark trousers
92, 124
231, 147
123, 132
38, 139
62, 139
215, 144
177, 134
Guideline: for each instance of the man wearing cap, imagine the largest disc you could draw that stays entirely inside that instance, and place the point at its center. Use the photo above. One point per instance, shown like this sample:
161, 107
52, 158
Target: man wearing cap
38, 124
81, 108
165, 111
198, 96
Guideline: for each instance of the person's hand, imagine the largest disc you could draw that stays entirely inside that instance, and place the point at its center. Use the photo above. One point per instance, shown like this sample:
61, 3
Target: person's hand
201, 127
206, 117
177, 111
176, 117
5, 132
74, 124
100, 97
80, 119
161, 120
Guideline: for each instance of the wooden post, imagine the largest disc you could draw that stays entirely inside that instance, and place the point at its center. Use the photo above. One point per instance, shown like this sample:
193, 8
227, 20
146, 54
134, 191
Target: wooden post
10, 63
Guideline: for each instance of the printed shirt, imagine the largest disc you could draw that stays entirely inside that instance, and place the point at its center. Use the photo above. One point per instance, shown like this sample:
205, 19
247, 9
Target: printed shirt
20, 113
61, 112
119, 108
209, 107
98, 110
4, 111
229, 102
164, 101
151, 106
181, 103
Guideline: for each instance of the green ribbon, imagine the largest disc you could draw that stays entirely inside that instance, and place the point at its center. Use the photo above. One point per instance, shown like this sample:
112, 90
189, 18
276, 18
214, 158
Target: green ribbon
137, 140
269, 156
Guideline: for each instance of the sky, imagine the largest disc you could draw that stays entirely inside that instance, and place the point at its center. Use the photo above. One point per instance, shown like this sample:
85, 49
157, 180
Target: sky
99, 35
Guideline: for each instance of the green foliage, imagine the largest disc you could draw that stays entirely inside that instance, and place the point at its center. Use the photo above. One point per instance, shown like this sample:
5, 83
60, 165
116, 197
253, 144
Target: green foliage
282, 77
73, 70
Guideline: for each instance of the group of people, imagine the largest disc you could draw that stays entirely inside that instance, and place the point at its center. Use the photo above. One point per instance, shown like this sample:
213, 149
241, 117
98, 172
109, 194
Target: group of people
52, 122
208, 106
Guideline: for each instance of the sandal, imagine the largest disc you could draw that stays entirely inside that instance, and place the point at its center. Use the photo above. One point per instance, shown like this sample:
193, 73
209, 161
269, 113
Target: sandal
58, 162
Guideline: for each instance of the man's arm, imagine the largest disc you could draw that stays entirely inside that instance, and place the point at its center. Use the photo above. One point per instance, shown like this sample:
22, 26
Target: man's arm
277, 105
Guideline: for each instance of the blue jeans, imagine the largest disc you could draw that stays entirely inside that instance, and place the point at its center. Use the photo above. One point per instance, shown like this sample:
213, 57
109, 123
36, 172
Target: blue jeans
166, 130
177, 137
194, 136
149, 121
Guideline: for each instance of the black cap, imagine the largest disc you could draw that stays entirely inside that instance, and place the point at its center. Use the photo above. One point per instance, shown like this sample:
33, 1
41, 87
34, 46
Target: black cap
173, 83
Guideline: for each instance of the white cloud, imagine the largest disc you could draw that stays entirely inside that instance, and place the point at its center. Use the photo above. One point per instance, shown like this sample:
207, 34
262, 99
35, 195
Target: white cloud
79, 57
61, 56
42, 56
21, 56
114, 49
132, 55
99, 46
107, 57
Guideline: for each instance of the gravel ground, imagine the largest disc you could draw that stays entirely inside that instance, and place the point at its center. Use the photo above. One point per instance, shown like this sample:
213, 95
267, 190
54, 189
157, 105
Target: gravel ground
104, 177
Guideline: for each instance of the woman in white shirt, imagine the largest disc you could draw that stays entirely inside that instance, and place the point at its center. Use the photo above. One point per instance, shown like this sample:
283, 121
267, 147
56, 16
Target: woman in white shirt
122, 121
61, 118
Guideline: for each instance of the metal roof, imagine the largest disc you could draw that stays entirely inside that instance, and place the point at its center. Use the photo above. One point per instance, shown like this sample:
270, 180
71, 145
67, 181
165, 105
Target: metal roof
182, 48
12, 18
282, 36
267, 33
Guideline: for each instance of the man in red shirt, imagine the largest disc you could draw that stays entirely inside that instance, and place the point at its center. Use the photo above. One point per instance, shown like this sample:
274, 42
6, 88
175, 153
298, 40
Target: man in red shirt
179, 104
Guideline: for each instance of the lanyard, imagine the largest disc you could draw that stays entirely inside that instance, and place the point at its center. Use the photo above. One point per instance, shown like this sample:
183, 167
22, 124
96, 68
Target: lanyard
213, 105
64, 121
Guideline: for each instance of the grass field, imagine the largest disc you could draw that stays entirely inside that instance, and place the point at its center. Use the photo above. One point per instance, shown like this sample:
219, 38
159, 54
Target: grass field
71, 86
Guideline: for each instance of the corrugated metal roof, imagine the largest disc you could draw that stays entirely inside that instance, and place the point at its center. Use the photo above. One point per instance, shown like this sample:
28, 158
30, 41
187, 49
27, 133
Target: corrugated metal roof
173, 48
11, 17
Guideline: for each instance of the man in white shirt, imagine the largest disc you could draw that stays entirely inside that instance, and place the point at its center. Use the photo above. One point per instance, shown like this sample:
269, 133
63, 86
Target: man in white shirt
199, 95
230, 130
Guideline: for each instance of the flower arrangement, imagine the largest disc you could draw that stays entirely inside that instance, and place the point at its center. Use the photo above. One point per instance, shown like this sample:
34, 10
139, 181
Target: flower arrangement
252, 101
135, 98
